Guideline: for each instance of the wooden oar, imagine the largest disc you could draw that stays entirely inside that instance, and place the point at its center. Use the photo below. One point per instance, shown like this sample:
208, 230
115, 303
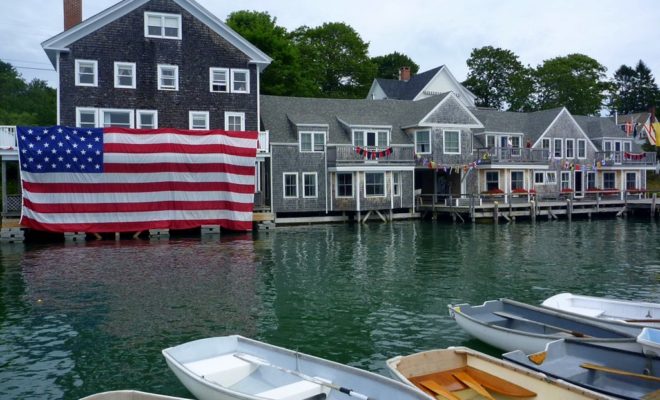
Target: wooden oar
499, 385
652, 321
519, 318
472, 384
609, 370
439, 390
654, 395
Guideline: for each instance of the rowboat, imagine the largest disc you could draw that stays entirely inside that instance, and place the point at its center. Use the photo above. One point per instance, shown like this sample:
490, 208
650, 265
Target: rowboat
235, 367
624, 374
619, 311
129, 395
459, 372
650, 341
511, 325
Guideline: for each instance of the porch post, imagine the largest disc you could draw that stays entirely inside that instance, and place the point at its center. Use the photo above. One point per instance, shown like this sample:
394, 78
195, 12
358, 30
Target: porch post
4, 188
435, 186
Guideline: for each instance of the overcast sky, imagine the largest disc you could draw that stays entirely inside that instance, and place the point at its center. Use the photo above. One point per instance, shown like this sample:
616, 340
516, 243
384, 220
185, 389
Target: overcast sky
431, 32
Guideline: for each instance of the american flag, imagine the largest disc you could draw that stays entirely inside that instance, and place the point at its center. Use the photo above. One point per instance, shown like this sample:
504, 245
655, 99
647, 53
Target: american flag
128, 180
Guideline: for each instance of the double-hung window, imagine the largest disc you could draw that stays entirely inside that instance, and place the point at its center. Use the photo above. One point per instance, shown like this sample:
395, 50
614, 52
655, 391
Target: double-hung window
159, 25
147, 119
631, 180
86, 73
609, 180
396, 183
168, 77
423, 142
240, 81
234, 121
198, 120
117, 117
86, 117
219, 80
582, 148
539, 178
545, 145
492, 180
374, 185
125, 75
344, 184
558, 149
451, 142
517, 180
565, 180
570, 148
309, 184
312, 142
591, 180
373, 139
290, 185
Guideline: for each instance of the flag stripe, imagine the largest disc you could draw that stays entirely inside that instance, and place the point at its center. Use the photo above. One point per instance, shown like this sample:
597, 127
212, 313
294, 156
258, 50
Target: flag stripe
170, 137
180, 168
249, 135
133, 226
173, 158
172, 215
135, 187
211, 149
55, 177
76, 208
136, 197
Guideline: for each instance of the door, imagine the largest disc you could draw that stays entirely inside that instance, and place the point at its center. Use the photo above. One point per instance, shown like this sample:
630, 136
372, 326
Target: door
579, 188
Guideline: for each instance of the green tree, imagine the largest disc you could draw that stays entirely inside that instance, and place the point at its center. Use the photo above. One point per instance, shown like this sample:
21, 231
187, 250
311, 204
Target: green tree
498, 79
388, 66
623, 98
648, 93
284, 75
575, 81
24, 103
335, 59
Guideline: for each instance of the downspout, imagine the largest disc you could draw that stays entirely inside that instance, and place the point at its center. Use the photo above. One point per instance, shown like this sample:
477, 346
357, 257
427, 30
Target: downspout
325, 176
59, 82
357, 191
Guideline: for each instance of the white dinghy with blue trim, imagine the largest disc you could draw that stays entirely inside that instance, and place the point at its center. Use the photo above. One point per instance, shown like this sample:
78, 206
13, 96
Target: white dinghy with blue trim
238, 368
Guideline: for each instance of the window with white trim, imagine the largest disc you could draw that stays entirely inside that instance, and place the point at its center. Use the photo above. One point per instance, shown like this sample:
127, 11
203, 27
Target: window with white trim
451, 142
312, 142
168, 77
161, 25
374, 184
369, 138
631, 180
627, 146
396, 183
290, 186
86, 117
492, 180
517, 180
609, 180
558, 149
147, 119
551, 177
198, 120
86, 72
219, 80
124, 75
582, 148
234, 121
423, 142
240, 81
539, 178
565, 180
591, 180
570, 148
309, 184
545, 145
117, 117
344, 184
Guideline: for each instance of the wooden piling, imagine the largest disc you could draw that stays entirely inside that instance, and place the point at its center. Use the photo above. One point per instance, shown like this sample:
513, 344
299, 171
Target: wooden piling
496, 212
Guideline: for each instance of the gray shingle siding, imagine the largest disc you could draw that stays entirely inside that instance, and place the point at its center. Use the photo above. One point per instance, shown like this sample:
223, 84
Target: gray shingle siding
450, 112
288, 158
123, 40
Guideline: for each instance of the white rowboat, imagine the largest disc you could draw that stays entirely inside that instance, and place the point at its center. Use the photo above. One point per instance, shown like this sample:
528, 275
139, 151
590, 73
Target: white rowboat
443, 369
620, 311
238, 368
130, 395
650, 341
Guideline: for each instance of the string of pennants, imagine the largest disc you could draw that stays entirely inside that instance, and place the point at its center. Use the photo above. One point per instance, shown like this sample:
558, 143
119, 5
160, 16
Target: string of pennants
373, 154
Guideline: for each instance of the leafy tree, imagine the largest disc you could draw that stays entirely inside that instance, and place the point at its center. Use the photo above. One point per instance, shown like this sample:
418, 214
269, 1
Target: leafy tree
648, 93
575, 81
335, 59
498, 79
623, 90
24, 103
388, 66
284, 75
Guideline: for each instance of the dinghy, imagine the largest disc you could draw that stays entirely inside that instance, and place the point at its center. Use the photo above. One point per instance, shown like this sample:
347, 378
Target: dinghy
512, 325
650, 341
624, 374
617, 311
235, 367
129, 395
459, 373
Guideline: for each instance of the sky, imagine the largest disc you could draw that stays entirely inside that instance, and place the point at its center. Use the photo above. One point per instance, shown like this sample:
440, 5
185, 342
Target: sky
430, 32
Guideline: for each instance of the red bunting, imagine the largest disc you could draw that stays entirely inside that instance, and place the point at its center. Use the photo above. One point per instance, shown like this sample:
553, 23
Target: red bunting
372, 154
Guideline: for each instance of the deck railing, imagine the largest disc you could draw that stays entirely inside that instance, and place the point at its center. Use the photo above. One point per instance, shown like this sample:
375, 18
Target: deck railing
8, 137
626, 158
348, 154
506, 155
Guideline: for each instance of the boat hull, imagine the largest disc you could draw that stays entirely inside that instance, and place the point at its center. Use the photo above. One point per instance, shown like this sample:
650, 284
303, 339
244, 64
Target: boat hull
129, 395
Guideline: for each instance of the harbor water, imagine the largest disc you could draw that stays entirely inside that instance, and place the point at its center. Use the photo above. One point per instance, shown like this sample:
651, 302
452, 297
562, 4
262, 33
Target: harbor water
81, 318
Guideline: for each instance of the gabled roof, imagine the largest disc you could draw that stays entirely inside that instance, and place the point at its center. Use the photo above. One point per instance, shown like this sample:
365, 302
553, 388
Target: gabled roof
598, 127
407, 90
60, 42
640, 118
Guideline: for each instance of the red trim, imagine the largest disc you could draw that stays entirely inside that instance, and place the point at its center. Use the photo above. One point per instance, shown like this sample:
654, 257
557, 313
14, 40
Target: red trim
254, 135
177, 167
137, 187
76, 208
220, 149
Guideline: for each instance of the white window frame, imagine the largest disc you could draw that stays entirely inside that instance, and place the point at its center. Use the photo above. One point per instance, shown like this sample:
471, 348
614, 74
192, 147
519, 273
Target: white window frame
162, 17
140, 113
316, 185
313, 141
444, 141
95, 65
636, 185
284, 175
572, 142
551, 178
430, 145
627, 146
212, 70
486, 181
90, 110
247, 80
229, 114
545, 145
522, 181
396, 183
337, 185
365, 134
384, 185
539, 178
191, 118
103, 111
160, 77
119, 64
582, 150
609, 173
591, 175
565, 182
559, 142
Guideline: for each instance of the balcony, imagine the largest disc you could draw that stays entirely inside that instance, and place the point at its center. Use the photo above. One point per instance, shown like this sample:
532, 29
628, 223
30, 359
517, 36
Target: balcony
644, 159
512, 155
347, 154
8, 143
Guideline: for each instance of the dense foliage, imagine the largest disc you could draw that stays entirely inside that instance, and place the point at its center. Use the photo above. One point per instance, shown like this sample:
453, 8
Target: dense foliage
23, 103
633, 89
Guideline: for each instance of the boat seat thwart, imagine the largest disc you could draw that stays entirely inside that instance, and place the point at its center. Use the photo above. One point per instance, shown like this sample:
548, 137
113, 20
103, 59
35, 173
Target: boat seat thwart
589, 312
225, 370
298, 390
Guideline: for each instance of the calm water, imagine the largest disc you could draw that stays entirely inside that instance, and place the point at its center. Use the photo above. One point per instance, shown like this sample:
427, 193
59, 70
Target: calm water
83, 318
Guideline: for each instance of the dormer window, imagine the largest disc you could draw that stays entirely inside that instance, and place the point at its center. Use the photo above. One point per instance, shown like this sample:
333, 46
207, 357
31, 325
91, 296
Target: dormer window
159, 25
371, 138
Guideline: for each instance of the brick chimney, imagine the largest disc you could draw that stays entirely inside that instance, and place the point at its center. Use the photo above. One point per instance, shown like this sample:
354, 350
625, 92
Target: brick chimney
404, 73
72, 13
